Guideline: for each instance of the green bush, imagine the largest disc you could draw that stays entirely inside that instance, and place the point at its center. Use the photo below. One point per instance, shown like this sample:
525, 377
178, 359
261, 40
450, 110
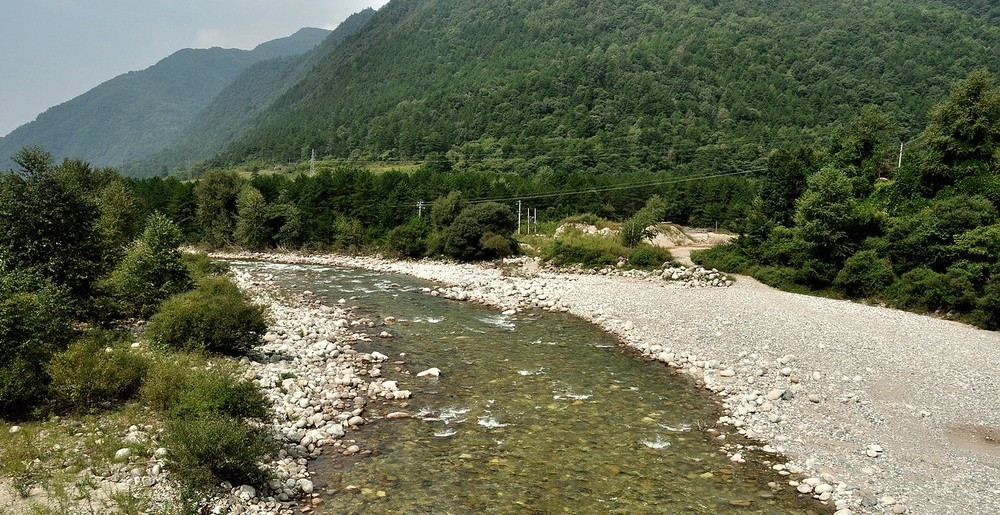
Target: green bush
633, 232
200, 266
591, 251
215, 317
919, 289
184, 386
35, 323
409, 239
94, 371
649, 257
728, 258
209, 448
152, 270
214, 428
865, 274
477, 224
987, 313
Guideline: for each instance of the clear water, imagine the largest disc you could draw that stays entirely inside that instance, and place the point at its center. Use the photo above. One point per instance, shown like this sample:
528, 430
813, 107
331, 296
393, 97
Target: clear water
533, 413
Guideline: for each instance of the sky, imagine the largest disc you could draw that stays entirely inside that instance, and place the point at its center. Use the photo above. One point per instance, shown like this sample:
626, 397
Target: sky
53, 50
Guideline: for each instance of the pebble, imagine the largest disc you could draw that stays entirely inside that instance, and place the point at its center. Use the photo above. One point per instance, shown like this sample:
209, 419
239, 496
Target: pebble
430, 372
123, 454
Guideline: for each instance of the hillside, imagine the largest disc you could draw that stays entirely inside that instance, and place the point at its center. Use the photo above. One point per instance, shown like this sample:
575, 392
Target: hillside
225, 118
137, 113
618, 86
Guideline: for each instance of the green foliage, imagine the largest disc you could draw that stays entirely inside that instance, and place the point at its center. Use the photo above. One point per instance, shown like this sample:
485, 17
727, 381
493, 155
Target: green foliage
865, 274
598, 251
216, 317
966, 127
825, 214
48, 223
35, 323
210, 448
120, 219
213, 429
152, 270
217, 194
445, 209
251, 225
633, 232
648, 257
480, 231
409, 239
625, 86
200, 266
96, 371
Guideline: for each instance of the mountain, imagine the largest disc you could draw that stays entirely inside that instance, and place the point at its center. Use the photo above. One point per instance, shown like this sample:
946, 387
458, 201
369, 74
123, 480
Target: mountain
619, 85
139, 112
225, 118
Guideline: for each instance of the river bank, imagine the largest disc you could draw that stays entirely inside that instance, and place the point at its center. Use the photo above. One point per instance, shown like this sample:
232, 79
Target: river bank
885, 411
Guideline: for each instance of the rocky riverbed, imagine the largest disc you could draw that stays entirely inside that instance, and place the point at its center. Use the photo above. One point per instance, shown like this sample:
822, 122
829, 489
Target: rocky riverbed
883, 411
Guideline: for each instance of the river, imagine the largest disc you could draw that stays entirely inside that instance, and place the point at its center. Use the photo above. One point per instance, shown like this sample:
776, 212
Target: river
536, 412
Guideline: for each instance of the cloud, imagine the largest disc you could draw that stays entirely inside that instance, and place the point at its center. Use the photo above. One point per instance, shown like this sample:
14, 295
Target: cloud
208, 38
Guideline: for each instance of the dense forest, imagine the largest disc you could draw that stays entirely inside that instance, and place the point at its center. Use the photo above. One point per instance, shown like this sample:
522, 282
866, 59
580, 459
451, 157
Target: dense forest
140, 112
617, 86
847, 220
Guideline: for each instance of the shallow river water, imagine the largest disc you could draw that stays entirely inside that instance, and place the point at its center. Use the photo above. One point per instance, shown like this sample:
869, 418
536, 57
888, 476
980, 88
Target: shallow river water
533, 413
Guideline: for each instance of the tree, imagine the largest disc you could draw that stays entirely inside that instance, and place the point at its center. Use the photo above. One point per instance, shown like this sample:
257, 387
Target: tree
216, 194
966, 126
119, 221
251, 225
481, 231
48, 225
783, 181
825, 214
152, 270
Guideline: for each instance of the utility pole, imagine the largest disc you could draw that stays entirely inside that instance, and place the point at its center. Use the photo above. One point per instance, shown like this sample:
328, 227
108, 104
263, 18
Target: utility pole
420, 209
900, 165
518, 217
312, 163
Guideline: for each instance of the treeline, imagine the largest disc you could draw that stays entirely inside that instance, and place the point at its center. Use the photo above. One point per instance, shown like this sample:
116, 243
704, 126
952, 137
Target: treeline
82, 271
848, 221
350, 209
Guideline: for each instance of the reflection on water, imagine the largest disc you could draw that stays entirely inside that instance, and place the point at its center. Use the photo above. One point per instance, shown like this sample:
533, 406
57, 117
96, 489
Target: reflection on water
533, 413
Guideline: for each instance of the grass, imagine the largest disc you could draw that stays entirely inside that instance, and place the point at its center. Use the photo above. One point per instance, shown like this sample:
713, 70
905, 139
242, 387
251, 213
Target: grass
51, 454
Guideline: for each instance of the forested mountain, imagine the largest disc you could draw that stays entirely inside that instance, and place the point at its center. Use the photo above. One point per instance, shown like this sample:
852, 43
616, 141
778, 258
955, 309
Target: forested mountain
619, 85
140, 112
226, 117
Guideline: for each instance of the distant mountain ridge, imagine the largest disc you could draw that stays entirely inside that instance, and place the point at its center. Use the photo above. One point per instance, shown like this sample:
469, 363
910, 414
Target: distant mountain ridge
224, 119
140, 112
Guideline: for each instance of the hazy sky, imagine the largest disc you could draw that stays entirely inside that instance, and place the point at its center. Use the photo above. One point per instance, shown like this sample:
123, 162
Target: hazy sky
54, 50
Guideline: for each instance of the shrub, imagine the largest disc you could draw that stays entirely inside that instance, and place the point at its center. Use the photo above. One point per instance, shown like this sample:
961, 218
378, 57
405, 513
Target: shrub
35, 323
96, 370
648, 256
152, 270
213, 429
464, 238
865, 274
633, 232
592, 251
200, 266
209, 448
987, 313
409, 239
215, 317
920, 288
184, 386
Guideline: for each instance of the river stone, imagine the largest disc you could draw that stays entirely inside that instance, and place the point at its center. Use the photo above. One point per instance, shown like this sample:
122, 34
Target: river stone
306, 486
430, 372
123, 454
